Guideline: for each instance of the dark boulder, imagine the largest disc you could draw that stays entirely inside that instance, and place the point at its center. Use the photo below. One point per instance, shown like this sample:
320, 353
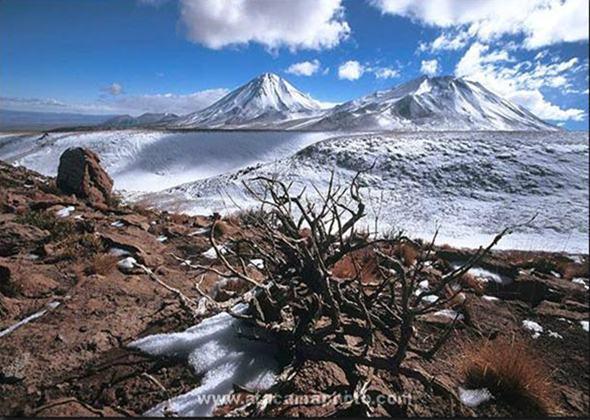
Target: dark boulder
80, 173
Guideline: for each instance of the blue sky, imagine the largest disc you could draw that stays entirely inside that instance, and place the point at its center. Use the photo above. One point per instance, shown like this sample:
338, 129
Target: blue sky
133, 56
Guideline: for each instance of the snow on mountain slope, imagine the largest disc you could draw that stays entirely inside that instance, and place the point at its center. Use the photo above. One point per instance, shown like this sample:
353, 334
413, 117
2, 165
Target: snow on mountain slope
262, 102
424, 179
432, 104
149, 160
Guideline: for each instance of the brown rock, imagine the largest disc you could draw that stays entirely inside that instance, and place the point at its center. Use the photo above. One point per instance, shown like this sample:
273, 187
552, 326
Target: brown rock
136, 220
16, 237
41, 201
80, 173
140, 244
6, 286
558, 310
536, 288
20, 278
319, 376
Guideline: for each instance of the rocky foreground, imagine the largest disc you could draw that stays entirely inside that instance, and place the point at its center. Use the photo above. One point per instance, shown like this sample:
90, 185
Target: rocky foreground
70, 258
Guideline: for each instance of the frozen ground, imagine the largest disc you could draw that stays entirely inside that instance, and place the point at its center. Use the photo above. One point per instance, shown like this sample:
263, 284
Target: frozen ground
142, 160
472, 184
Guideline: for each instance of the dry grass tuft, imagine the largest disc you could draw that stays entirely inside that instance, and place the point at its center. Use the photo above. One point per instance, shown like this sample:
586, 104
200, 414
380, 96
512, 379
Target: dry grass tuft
102, 264
512, 371
221, 228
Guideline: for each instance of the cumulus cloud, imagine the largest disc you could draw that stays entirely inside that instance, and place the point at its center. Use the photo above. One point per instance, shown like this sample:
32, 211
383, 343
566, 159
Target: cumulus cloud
304, 68
351, 70
521, 83
542, 22
301, 24
429, 67
122, 104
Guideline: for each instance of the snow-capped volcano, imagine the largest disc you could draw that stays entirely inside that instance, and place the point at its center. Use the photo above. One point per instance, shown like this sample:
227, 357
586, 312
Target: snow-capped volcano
264, 101
431, 103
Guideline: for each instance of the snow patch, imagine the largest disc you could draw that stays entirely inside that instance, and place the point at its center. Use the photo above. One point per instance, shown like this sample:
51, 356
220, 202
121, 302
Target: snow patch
118, 252
212, 255
474, 397
536, 328
430, 298
484, 274
127, 264
581, 280
65, 212
450, 313
258, 263
585, 325
218, 349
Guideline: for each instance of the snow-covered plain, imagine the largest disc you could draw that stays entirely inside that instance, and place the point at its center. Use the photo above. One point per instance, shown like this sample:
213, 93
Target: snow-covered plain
144, 160
470, 184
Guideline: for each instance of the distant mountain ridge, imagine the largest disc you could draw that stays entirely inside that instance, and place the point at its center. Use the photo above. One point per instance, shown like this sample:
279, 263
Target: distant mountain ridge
269, 102
32, 120
148, 120
431, 103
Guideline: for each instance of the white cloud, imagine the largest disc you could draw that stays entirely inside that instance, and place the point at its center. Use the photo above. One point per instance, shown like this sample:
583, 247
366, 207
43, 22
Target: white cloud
429, 67
351, 70
304, 68
446, 41
542, 22
385, 72
301, 24
534, 101
123, 104
166, 102
114, 89
520, 83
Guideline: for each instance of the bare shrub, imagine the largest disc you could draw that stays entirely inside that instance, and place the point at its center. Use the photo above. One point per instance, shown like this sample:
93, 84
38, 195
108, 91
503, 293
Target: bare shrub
313, 293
